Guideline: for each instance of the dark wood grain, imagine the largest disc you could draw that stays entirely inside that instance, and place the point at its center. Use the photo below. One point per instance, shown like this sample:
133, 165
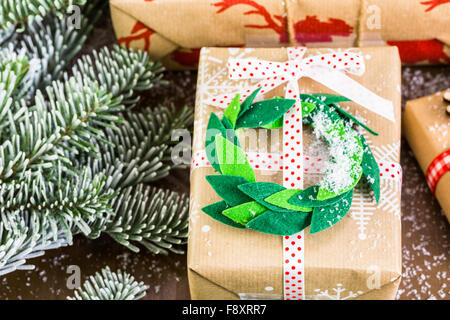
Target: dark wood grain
426, 249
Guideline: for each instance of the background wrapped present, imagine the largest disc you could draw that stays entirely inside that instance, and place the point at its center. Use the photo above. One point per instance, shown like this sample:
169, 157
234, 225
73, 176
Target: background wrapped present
357, 258
175, 30
427, 128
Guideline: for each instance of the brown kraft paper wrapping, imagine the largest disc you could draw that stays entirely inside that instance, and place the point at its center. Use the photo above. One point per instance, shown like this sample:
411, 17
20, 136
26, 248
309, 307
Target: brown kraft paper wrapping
358, 258
426, 126
173, 31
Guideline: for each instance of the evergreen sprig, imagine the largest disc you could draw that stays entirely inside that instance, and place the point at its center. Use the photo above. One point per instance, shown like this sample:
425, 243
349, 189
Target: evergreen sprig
108, 285
120, 71
70, 117
154, 218
15, 13
82, 197
53, 42
73, 158
26, 236
139, 150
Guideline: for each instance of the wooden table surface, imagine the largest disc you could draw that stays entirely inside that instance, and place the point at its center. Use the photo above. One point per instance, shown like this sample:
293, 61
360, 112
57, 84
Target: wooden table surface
425, 235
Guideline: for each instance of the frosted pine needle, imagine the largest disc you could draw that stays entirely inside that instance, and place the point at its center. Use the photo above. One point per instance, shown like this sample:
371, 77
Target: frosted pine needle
109, 285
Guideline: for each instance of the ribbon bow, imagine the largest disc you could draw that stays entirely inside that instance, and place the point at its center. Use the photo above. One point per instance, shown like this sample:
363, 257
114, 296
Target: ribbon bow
328, 69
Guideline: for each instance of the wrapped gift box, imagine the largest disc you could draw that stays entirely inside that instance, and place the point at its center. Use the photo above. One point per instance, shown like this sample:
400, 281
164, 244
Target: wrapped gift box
426, 126
174, 30
358, 258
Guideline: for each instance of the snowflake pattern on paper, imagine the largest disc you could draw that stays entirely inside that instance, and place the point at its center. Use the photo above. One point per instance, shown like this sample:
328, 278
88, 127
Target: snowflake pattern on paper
364, 204
363, 207
338, 293
213, 86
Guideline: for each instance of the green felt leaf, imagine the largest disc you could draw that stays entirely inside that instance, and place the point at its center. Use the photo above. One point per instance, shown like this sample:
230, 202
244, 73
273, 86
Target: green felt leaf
274, 125
261, 190
308, 198
226, 187
230, 132
311, 99
280, 223
215, 211
328, 98
354, 119
281, 199
233, 110
232, 160
371, 170
215, 127
325, 194
307, 108
245, 212
277, 123
248, 101
325, 217
226, 123
264, 112
336, 122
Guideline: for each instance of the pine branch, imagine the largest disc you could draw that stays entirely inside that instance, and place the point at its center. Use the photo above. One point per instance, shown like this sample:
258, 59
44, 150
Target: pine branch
80, 199
152, 217
11, 69
120, 71
38, 215
28, 61
139, 151
77, 109
54, 42
109, 285
69, 120
23, 71
15, 13
24, 237
45, 122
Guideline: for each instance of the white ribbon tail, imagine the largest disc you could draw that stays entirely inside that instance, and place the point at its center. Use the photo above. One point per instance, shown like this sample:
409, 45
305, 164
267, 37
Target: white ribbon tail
347, 87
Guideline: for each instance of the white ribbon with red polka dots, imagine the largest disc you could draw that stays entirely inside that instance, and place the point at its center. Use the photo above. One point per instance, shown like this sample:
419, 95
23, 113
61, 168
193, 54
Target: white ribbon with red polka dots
273, 162
293, 266
327, 69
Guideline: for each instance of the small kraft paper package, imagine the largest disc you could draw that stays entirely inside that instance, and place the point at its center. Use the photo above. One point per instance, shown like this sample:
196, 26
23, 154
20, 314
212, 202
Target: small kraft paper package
426, 126
358, 257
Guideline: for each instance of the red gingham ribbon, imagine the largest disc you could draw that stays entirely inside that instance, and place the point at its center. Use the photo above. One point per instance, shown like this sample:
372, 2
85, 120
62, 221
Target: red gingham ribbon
437, 168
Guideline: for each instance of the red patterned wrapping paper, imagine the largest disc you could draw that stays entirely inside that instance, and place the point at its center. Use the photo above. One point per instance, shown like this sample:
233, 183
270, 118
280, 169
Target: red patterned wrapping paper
174, 30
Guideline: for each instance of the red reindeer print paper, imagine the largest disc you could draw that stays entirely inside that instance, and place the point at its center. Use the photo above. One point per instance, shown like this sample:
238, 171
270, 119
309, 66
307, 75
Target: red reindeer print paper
434, 3
139, 32
274, 22
173, 31
312, 29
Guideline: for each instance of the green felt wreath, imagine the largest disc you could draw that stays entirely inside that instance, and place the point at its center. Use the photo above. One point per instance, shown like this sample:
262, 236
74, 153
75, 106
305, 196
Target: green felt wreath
269, 207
